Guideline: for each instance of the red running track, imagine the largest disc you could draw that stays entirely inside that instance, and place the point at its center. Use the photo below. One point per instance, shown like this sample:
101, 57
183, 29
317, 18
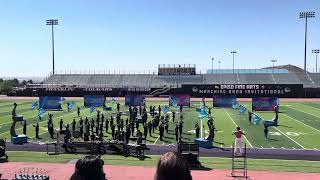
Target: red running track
64, 171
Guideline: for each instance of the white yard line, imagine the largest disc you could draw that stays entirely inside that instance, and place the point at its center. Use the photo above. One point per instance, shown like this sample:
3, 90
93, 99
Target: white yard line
309, 106
156, 140
159, 135
298, 121
295, 120
8, 132
6, 123
303, 123
47, 129
289, 137
11, 120
237, 126
304, 112
38, 134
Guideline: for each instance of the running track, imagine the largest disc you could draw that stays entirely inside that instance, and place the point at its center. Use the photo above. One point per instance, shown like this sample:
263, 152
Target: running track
64, 171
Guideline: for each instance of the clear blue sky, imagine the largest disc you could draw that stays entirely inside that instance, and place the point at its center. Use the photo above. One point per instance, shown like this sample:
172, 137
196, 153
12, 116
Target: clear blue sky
140, 34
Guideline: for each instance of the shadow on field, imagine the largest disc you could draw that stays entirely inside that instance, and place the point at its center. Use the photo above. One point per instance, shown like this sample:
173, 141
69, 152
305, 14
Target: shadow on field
200, 168
164, 141
219, 142
285, 126
167, 137
3, 160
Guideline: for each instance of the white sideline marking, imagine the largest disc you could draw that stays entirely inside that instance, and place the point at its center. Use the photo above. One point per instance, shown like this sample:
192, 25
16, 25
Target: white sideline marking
304, 112
303, 123
289, 137
159, 135
237, 126
156, 140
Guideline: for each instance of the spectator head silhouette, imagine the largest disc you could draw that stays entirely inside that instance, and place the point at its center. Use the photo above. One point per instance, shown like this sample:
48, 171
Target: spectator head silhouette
88, 168
172, 166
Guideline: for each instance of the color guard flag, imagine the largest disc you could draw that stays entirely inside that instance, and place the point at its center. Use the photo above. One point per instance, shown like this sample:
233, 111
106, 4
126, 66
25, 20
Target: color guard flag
34, 105
92, 108
42, 112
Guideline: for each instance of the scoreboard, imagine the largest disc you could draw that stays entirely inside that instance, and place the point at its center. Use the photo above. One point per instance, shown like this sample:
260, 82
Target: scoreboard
177, 69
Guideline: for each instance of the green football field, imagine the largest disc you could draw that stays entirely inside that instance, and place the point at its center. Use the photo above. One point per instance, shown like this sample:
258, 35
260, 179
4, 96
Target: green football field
299, 124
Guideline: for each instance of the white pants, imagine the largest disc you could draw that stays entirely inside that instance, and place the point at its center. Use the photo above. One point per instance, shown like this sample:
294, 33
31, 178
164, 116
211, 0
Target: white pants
238, 145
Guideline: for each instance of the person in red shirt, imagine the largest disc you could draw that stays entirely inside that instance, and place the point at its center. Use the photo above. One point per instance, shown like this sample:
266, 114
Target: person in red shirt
238, 140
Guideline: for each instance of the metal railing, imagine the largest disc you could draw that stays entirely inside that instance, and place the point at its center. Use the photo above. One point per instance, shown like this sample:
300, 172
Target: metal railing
99, 86
155, 81
247, 71
104, 72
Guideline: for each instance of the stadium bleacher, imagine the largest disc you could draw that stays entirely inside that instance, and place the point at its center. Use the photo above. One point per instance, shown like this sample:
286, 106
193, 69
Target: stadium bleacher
315, 78
151, 80
220, 79
257, 78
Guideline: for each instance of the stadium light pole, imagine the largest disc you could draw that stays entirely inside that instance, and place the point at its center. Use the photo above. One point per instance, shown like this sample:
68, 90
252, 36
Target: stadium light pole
273, 61
316, 51
212, 59
306, 15
219, 64
52, 22
233, 52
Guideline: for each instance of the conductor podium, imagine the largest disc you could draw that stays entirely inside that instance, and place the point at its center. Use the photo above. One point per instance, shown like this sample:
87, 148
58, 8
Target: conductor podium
16, 139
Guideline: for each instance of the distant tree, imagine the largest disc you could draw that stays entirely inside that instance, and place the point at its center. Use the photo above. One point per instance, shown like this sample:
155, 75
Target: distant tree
15, 82
5, 88
23, 83
7, 85
30, 81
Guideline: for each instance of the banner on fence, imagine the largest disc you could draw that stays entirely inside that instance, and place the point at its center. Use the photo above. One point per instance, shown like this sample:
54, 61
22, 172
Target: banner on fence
94, 100
179, 99
224, 101
264, 103
50, 102
135, 100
